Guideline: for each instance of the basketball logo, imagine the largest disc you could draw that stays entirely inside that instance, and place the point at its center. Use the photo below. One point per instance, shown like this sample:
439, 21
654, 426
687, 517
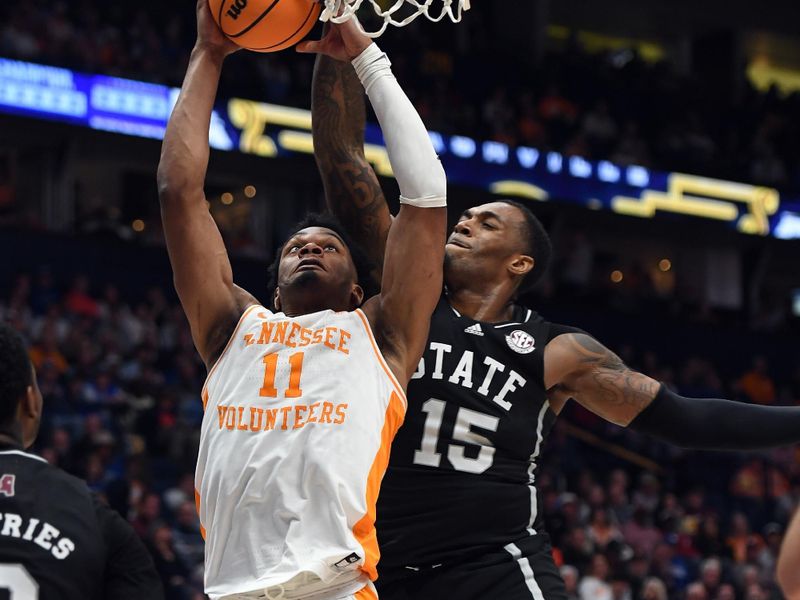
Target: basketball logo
521, 342
265, 25
7, 485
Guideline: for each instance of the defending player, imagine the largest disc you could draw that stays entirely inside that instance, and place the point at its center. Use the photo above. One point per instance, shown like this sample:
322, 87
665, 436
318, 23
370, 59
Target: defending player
56, 539
301, 401
458, 514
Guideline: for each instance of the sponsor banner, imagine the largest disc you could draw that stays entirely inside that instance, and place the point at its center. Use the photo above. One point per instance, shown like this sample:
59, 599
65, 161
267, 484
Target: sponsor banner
141, 109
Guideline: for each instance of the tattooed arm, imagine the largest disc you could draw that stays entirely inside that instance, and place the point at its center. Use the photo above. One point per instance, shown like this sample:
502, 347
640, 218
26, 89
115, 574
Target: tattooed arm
578, 366
352, 190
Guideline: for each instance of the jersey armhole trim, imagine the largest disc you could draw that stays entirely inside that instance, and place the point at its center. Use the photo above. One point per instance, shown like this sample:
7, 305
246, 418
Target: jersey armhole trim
204, 392
25, 454
381, 360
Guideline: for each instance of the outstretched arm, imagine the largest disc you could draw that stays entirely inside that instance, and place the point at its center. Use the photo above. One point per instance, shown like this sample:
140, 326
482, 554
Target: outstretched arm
578, 366
202, 271
352, 190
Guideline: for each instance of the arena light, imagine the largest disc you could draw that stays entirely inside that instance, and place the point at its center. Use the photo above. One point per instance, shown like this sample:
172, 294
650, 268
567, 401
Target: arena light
617, 276
638, 176
463, 147
580, 167
608, 172
250, 191
226, 198
665, 265
527, 157
555, 162
138, 225
495, 152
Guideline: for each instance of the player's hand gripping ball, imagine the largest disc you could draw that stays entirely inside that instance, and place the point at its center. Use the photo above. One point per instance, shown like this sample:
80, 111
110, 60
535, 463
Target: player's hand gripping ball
265, 25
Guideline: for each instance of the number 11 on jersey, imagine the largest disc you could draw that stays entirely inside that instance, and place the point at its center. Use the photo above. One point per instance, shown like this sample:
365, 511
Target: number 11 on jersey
270, 361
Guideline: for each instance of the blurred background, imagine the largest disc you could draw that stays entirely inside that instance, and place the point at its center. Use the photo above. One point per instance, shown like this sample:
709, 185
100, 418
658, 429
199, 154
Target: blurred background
658, 141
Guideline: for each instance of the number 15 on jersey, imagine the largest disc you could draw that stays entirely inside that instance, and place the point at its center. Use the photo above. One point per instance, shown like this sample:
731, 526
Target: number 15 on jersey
462, 432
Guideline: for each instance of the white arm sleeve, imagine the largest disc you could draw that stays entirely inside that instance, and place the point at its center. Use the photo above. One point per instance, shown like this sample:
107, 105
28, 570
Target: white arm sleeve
418, 171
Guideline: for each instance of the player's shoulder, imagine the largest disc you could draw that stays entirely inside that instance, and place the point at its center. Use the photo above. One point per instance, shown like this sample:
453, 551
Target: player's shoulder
543, 328
26, 473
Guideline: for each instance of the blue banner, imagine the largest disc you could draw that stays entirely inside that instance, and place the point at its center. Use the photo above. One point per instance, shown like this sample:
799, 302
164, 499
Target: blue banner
142, 109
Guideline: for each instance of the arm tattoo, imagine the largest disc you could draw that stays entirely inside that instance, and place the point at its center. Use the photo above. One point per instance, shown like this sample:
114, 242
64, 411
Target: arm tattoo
352, 190
608, 382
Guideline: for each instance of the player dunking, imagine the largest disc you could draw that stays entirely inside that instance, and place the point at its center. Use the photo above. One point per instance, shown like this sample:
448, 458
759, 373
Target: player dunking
458, 515
302, 400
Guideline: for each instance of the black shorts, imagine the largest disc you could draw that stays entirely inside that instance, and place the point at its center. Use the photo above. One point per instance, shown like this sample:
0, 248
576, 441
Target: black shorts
524, 570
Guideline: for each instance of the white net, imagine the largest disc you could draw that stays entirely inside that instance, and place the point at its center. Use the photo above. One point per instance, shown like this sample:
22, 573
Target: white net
399, 14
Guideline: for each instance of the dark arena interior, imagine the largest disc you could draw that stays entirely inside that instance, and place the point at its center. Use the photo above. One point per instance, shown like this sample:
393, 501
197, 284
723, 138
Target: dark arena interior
657, 141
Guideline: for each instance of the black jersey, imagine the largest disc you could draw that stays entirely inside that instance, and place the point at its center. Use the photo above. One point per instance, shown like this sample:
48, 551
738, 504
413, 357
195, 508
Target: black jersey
58, 542
462, 472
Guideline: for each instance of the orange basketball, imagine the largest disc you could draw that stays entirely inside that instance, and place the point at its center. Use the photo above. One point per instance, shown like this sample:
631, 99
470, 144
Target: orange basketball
265, 25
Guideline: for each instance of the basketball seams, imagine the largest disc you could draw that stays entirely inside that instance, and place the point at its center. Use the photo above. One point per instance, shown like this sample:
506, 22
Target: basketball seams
277, 46
255, 22
270, 25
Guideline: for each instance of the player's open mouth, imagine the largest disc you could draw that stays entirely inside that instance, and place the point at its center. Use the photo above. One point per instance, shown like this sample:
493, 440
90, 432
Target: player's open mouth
309, 263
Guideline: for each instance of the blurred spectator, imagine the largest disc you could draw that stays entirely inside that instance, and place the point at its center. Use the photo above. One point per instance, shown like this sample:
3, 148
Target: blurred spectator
654, 589
594, 585
571, 577
756, 383
640, 532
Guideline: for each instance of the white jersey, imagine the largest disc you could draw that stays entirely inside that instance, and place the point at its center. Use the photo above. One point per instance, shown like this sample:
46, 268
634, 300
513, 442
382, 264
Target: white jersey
300, 413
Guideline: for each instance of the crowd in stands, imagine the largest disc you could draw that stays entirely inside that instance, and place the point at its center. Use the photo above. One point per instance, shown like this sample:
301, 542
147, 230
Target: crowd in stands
121, 382
609, 105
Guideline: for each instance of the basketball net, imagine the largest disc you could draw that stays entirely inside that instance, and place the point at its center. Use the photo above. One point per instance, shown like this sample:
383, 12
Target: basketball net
339, 11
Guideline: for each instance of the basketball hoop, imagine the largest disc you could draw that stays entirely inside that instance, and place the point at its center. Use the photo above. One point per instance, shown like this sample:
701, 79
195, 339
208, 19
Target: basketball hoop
339, 11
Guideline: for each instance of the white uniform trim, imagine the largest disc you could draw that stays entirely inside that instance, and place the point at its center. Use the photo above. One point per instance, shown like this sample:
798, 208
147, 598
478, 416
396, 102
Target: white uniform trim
527, 571
25, 454
532, 467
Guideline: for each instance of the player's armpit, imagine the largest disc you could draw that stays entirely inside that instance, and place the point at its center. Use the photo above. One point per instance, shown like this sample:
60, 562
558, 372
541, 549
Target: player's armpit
352, 190
578, 366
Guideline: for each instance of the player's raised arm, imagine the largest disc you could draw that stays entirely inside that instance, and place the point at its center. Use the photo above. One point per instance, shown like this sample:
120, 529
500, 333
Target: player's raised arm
578, 366
202, 270
352, 190
412, 271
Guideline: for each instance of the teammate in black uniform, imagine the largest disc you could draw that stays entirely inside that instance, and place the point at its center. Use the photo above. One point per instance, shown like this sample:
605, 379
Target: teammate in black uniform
458, 513
56, 540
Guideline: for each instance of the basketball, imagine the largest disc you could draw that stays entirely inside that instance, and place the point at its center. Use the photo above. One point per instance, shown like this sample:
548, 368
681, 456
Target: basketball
265, 25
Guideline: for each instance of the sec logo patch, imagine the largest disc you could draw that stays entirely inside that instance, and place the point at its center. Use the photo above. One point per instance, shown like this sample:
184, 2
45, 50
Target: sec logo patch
521, 341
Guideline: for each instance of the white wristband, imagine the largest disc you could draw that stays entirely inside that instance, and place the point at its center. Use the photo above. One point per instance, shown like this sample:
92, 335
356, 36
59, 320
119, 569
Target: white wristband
371, 65
431, 202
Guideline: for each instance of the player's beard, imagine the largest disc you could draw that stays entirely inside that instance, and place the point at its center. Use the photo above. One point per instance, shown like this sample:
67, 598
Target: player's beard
305, 279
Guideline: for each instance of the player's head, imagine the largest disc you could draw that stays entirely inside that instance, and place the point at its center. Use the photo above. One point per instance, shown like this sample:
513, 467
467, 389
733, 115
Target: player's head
20, 398
497, 242
319, 267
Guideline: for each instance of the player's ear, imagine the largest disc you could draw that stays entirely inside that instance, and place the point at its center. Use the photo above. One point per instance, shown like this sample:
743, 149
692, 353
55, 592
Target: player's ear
357, 295
31, 405
521, 265
276, 299
28, 406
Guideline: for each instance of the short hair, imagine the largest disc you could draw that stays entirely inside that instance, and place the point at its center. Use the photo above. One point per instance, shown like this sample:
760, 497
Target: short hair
363, 264
538, 245
16, 372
